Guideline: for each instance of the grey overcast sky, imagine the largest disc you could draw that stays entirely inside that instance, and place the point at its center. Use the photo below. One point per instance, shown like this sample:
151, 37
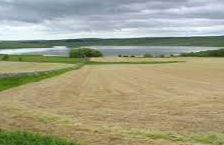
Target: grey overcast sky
62, 19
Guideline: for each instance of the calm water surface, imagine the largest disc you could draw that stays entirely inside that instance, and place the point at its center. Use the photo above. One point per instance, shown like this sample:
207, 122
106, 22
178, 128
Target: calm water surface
154, 50
109, 50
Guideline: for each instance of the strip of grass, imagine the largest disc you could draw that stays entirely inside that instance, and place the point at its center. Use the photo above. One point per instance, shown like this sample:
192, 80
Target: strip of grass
55, 59
206, 138
24, 138
140, 62
210, 139
10, 82
39, 58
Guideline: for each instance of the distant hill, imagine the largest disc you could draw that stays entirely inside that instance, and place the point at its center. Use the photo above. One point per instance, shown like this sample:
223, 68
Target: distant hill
217, 41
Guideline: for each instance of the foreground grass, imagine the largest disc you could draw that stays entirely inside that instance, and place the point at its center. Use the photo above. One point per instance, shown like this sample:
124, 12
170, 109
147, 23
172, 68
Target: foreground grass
39, 58
10, 82
211, 139
24, 138
207, 138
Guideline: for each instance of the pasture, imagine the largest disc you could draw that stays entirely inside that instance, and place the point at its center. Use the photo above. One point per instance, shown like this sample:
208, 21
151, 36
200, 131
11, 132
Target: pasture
13, 74
156, 104
39, 58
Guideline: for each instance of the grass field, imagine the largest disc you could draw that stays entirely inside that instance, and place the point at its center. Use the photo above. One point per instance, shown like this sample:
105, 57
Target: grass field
175, 104
39, 58
13, 74
23, 138
21, 67
9, 81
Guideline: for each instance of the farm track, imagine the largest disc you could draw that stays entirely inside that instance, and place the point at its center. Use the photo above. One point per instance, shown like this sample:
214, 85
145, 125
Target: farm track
100, 105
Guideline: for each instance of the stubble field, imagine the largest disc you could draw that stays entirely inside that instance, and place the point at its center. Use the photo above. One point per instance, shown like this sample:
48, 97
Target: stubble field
157, 104
22, 67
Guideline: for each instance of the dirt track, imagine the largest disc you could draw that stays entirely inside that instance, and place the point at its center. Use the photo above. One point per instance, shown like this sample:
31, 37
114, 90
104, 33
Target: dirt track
96, 104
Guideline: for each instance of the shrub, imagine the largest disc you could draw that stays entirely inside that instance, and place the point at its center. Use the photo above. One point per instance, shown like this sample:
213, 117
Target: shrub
5, 57
119, 55
85, 52
162, 56
209, 53
20, 59
148, 55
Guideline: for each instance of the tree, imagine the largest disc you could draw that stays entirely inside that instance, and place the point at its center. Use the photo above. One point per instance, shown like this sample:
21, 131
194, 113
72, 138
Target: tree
5, 57
85, 52
148, 55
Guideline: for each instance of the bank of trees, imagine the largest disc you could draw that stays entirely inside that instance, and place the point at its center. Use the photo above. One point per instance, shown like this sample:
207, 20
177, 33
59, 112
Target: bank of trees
209, 53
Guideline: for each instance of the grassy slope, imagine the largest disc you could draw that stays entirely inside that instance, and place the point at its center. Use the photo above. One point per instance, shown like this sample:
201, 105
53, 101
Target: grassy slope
169, 41
23, 138
36, 58
207, 138
11, 82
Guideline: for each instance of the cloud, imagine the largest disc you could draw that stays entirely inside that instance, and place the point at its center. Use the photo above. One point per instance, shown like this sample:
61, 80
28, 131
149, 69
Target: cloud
56, 19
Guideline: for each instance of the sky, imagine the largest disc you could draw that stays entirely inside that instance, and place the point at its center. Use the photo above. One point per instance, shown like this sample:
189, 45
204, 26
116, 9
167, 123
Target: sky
69, 19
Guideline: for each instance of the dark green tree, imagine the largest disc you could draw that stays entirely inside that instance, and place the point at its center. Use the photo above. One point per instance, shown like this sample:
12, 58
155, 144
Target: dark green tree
85, 52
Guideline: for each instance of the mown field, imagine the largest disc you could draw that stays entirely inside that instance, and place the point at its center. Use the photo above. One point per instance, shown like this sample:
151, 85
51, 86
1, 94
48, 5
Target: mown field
13, 74
144, 104
21, 67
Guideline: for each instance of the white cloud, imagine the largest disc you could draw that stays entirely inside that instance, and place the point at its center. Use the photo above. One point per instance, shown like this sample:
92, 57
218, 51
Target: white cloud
57, 19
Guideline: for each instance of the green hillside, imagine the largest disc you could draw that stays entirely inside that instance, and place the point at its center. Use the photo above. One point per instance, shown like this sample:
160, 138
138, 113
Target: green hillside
217, 41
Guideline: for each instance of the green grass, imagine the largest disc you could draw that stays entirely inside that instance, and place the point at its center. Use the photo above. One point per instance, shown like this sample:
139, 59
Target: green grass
54, 59
202, 139
25, 138
10, 82
210, 139
39, 58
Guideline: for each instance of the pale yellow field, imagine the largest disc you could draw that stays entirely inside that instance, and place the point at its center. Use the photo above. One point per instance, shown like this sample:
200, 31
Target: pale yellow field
121, 104
138, 59
20, 67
